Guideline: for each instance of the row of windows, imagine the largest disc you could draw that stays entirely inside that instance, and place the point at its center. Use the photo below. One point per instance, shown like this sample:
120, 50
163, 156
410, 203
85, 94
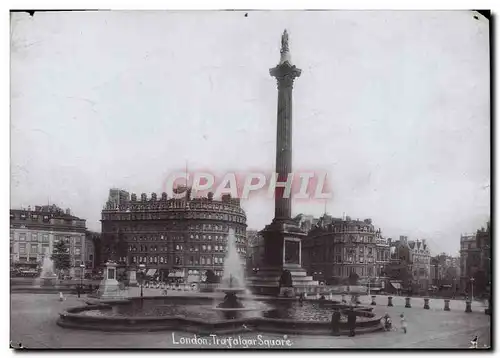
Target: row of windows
216, 227
194, 248
204, 260
171, 216
42, 249
203, 237
37, 237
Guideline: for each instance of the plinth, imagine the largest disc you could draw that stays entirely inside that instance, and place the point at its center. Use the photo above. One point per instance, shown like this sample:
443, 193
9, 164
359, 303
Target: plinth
283, 252
109, 288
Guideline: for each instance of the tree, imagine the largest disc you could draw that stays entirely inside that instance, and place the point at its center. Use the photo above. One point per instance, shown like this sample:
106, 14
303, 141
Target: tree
353, 278
211, 277
60, 256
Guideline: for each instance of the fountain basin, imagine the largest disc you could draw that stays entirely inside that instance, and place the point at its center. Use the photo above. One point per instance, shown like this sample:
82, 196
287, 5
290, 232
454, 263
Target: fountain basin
197, 315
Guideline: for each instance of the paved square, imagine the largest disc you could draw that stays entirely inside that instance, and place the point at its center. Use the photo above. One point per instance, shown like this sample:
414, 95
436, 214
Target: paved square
33, 323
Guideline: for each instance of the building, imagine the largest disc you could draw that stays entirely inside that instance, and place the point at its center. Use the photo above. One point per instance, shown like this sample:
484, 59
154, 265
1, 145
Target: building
92, 249
118, 196
174, 238
255, 250
410, 263
445, 271
475, 260
483, 238
470, 259
33, 234
337, 247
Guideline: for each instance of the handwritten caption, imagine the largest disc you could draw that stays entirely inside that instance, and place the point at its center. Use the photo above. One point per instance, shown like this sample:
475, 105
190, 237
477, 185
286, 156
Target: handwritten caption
232, 341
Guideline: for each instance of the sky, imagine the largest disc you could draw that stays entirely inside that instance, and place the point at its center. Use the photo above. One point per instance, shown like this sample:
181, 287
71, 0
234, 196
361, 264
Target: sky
394, 106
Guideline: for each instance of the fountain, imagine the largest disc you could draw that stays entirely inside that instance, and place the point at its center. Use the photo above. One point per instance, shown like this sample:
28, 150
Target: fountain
47, 277
233, 282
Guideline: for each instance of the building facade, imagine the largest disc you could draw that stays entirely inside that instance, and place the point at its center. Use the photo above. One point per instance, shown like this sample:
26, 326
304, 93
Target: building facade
255, 251
337, 247
445, 271
33, 234
410, 263
470, 259
92, 249
176, 238
475, 260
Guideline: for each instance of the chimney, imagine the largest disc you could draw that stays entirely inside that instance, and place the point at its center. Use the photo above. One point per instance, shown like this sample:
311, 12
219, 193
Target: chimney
343, 216
68, 212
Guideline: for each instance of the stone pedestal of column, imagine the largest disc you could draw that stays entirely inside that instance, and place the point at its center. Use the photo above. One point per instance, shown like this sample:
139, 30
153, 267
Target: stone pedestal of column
373, 301
446, 305
389, 301
408, 303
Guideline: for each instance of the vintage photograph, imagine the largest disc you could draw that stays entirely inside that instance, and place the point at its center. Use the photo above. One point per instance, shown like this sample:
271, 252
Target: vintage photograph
250, 180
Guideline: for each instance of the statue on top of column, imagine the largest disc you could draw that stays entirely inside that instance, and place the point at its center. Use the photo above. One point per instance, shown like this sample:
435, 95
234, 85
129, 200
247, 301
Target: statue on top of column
284, 42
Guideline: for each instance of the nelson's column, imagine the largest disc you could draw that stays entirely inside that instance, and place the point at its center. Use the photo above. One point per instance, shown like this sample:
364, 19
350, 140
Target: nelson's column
282, 238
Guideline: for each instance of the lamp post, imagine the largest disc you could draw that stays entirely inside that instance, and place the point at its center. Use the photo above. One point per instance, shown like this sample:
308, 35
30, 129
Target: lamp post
82, 273
472, 289
142, 269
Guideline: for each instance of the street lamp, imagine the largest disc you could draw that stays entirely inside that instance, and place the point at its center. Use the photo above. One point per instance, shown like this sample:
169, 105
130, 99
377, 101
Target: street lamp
142, 269
472, 289
82, 273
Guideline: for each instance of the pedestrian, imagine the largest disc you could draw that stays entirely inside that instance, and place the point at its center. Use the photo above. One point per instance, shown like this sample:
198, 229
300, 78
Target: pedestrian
335, 324
351, 322
403, 323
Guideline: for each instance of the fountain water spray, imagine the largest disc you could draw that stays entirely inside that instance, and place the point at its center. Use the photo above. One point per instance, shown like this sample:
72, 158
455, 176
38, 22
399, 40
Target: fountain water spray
233, 282
47, 276
233, 275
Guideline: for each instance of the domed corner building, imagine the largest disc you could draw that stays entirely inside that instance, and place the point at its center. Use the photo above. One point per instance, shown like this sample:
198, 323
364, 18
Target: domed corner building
178, 240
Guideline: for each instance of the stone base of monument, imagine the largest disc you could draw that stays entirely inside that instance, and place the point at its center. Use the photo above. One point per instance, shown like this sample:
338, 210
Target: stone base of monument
267, 280
110, 290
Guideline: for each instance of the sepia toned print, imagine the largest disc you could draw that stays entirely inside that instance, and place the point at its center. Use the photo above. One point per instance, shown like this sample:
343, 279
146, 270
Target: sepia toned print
316, 180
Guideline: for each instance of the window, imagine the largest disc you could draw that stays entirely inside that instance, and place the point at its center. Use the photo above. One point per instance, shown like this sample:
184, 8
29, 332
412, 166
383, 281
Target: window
203, 261
204, 247
34, 237
22, 237
209, 248
22, 248
209, 261
78, 240
77, 251
33, 249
